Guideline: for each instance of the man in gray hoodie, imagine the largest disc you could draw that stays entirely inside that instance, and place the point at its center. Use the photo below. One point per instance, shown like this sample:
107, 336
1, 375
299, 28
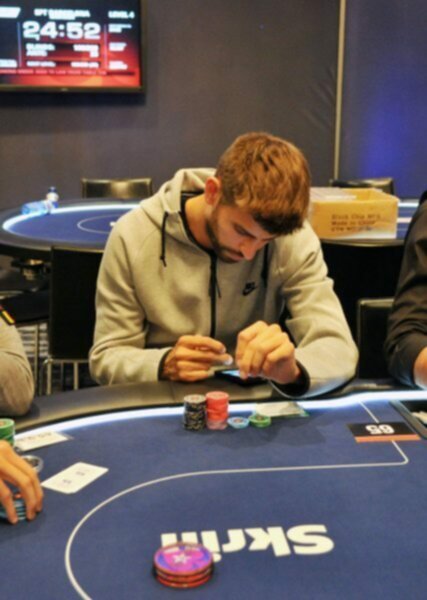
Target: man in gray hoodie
221, 265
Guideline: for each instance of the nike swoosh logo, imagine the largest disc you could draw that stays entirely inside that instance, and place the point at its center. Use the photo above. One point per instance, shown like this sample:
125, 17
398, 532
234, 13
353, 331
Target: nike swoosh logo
249, 287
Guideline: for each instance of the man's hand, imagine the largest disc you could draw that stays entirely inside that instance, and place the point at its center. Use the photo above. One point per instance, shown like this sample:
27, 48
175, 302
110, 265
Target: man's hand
17, 472
266, 351
192, 358
420, 369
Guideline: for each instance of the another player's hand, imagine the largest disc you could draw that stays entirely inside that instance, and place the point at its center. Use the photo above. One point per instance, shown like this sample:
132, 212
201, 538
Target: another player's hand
192, 358
266, 351
16, 471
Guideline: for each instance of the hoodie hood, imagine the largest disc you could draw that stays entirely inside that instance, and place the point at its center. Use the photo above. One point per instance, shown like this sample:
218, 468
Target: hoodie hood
164, 209
168, 198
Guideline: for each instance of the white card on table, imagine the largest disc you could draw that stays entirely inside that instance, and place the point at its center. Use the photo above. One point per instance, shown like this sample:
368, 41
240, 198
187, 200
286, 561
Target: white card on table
38, 440
280, 409
74, 478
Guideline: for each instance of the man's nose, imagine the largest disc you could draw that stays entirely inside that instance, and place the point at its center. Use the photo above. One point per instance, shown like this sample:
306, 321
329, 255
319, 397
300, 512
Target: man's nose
249, 248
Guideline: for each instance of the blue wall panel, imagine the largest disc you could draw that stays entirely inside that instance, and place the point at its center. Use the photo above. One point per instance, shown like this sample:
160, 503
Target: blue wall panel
384, 126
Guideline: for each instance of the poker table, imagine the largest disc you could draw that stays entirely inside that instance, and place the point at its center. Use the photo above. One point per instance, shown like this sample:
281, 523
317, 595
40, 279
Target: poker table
296, 510
77, 224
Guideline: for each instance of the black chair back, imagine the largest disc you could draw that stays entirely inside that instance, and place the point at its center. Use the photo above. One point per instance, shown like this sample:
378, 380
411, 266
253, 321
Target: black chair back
362, 270
74, 274
372, 321
123, 189
386, 184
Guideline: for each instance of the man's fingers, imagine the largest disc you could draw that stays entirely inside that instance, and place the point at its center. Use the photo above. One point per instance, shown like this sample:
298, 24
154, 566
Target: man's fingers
24, 482
252, 359
277, 345
247, 335
189, 371
206, 357
20, 474
192, 357
6, 500
201, 342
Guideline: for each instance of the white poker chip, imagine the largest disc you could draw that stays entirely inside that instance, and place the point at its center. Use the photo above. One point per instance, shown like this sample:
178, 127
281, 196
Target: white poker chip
238, 422
34, 461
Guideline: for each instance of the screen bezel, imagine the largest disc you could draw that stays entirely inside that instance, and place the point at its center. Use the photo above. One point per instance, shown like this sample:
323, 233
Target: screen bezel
64, 89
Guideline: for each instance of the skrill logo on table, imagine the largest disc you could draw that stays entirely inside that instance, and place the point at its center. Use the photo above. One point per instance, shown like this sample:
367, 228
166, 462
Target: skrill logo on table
301, 539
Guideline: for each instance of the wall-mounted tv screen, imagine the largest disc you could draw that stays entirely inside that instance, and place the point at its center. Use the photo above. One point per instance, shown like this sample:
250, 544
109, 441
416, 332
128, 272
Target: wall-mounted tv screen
72, 45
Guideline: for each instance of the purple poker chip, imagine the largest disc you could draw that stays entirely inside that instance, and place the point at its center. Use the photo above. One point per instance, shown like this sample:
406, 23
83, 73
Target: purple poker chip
183, 558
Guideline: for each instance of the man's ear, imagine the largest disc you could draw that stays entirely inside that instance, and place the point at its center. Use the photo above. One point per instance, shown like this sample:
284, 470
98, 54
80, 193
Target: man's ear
212, 191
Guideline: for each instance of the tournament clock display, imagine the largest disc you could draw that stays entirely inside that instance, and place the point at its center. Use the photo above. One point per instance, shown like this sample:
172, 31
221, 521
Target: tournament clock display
71, 45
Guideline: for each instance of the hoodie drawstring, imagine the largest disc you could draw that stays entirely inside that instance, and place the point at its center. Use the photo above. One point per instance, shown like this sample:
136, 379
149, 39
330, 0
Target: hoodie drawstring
163, 239
264, 272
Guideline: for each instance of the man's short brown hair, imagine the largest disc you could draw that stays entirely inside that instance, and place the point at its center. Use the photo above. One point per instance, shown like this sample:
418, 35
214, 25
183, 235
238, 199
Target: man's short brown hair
269, 177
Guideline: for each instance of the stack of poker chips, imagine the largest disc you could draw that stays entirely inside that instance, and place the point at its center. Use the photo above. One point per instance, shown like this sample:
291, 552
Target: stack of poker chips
7, 430
217, 410
19, 507
183, 565
194, 412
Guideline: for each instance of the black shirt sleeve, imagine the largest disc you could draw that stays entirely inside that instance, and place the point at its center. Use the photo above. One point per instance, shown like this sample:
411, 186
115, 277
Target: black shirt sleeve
407, 330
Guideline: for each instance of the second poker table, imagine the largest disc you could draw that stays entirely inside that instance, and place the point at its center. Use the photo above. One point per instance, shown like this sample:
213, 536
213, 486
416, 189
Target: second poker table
87, 224
82, 225
296, 510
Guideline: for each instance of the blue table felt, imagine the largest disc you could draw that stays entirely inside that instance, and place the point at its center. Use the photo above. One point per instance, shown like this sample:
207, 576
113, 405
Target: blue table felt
297, 510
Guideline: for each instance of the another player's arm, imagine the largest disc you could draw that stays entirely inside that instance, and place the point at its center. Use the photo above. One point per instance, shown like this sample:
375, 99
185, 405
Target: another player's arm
265, 350
192, 358
16, 471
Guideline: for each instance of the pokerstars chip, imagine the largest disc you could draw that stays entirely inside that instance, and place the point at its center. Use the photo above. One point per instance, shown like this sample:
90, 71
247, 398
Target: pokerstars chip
182, 558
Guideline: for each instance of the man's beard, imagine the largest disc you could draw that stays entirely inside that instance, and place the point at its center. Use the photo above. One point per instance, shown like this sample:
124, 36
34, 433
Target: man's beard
223, 252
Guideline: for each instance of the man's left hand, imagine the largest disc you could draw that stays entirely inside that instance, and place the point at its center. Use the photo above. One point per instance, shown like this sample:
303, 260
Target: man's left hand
266, 351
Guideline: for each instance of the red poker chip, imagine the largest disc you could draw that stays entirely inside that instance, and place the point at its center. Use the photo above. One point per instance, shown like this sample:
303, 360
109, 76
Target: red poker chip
217, 396
183, 585
183, 578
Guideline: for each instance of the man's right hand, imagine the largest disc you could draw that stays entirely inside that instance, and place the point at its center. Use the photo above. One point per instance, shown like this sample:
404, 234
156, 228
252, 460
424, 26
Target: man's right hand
16, 471
192, 358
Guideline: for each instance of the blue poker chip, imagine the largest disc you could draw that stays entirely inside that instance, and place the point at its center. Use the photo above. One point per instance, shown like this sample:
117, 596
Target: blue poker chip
238, 422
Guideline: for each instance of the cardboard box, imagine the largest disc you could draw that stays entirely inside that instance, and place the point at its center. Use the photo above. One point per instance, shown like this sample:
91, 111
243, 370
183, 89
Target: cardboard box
353, 213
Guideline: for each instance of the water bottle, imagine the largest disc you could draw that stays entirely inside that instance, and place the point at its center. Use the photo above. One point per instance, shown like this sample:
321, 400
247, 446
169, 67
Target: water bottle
42, 207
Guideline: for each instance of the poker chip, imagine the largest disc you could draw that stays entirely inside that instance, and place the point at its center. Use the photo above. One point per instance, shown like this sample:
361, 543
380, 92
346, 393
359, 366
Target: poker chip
183, 585
183, 565
194, 418
20, 509
259, 420
217, 409
34, 461
238, 422
7, 430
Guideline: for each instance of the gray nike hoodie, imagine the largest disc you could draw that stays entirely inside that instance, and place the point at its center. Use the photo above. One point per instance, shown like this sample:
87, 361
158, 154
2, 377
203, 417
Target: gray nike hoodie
156, 284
